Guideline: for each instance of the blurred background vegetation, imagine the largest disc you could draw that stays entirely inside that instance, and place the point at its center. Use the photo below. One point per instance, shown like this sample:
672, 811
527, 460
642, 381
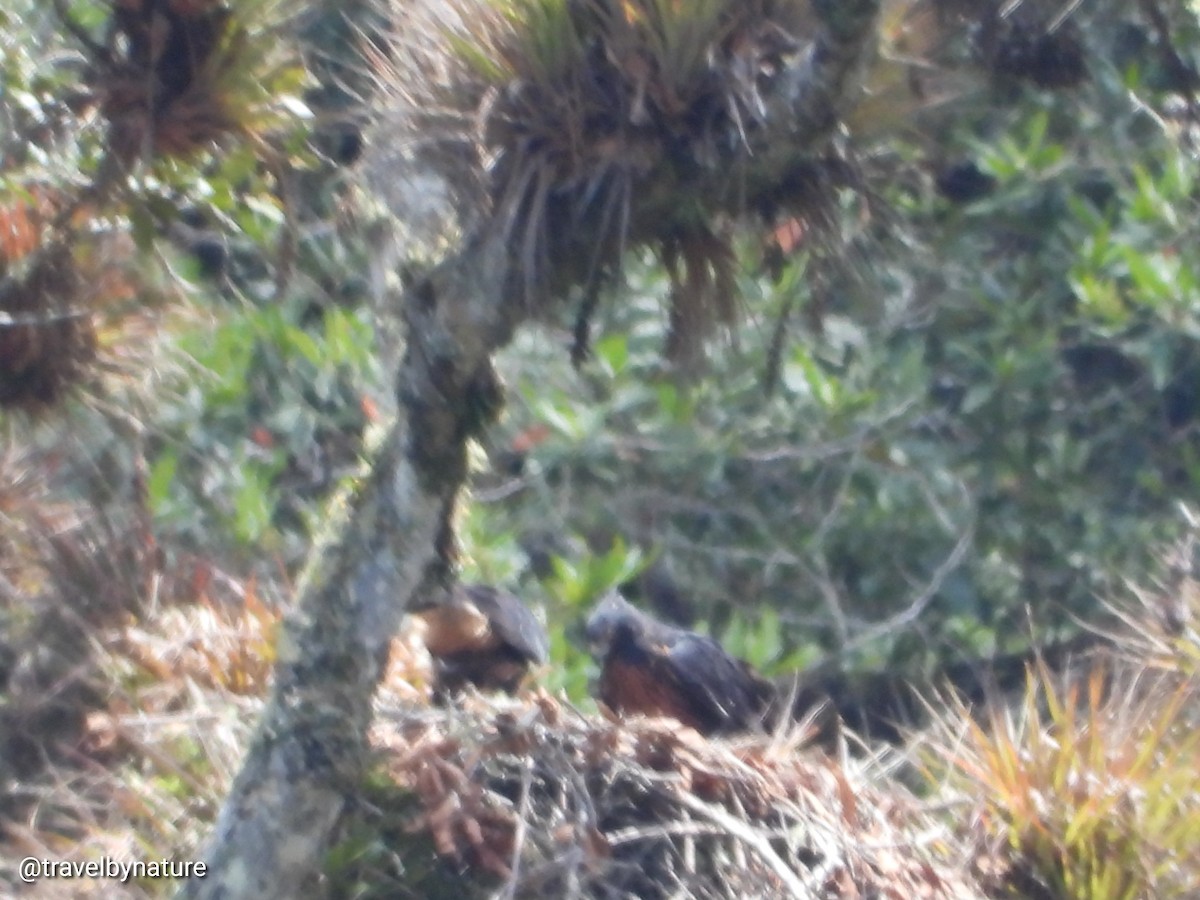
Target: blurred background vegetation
964, 425
953, 430
955, 420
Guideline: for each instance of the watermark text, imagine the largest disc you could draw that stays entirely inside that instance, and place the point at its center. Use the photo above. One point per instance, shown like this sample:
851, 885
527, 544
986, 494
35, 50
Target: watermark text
35, 868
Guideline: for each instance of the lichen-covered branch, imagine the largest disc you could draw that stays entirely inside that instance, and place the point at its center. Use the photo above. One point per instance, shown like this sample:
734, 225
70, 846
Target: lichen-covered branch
309, 747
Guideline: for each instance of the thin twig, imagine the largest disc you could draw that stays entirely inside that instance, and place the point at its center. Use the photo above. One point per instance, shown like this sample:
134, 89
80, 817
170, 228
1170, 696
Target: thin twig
751, 839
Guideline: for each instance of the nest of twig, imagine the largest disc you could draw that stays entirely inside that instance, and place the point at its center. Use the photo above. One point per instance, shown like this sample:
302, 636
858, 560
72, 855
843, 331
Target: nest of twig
545, 801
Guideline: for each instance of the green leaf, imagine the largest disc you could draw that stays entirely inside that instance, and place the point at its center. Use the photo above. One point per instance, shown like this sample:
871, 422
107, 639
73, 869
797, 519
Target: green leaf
613, 350
162, 476
253, 506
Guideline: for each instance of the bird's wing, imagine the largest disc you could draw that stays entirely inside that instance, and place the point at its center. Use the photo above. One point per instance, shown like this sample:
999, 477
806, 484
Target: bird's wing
511, 621
723, 691
647, 686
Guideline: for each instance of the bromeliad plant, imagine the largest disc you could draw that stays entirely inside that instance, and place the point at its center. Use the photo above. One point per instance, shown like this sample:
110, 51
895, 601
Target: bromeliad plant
571, 107
555, 116
175, 76
1087, 791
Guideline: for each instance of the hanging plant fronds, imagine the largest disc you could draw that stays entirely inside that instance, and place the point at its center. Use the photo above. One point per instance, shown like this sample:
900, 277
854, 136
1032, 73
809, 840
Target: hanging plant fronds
592, 127
701, 267
176, 76
586, 128
574, 109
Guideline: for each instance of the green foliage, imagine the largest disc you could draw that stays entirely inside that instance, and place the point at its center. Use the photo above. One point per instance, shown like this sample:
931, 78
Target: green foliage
760, 641
577, 584
571, 670
985, 413
268, 427
574, 585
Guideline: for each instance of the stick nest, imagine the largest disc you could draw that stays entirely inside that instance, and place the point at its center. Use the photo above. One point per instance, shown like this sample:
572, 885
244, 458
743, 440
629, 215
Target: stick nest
550, 802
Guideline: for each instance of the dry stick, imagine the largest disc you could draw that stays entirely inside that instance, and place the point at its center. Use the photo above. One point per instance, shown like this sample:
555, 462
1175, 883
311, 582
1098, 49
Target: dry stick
751, 839
522, 830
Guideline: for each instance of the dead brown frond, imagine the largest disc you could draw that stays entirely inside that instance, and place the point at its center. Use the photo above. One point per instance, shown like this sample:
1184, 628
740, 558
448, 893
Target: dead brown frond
701, 267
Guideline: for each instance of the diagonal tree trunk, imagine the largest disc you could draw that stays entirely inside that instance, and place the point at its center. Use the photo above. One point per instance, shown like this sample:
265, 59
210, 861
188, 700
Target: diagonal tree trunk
308, 752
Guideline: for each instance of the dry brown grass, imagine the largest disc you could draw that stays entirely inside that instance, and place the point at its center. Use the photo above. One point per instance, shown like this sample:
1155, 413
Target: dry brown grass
160, 732
130, 678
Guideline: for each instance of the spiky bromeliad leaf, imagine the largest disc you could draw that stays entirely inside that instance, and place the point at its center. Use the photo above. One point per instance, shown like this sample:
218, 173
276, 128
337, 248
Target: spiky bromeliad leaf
506, 41
581, 106
682, 37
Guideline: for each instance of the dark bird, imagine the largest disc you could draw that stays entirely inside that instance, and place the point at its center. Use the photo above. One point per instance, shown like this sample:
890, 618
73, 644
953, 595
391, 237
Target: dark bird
483, 636
653, 669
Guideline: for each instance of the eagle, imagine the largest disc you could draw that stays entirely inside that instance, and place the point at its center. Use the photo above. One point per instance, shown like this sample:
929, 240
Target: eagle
482, 636
654, 669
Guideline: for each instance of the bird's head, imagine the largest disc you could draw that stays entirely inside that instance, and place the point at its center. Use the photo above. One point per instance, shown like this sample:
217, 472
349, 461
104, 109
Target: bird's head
612, 615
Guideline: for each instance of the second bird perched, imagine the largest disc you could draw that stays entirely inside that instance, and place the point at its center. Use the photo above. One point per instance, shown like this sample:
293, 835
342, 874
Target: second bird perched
654, 669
